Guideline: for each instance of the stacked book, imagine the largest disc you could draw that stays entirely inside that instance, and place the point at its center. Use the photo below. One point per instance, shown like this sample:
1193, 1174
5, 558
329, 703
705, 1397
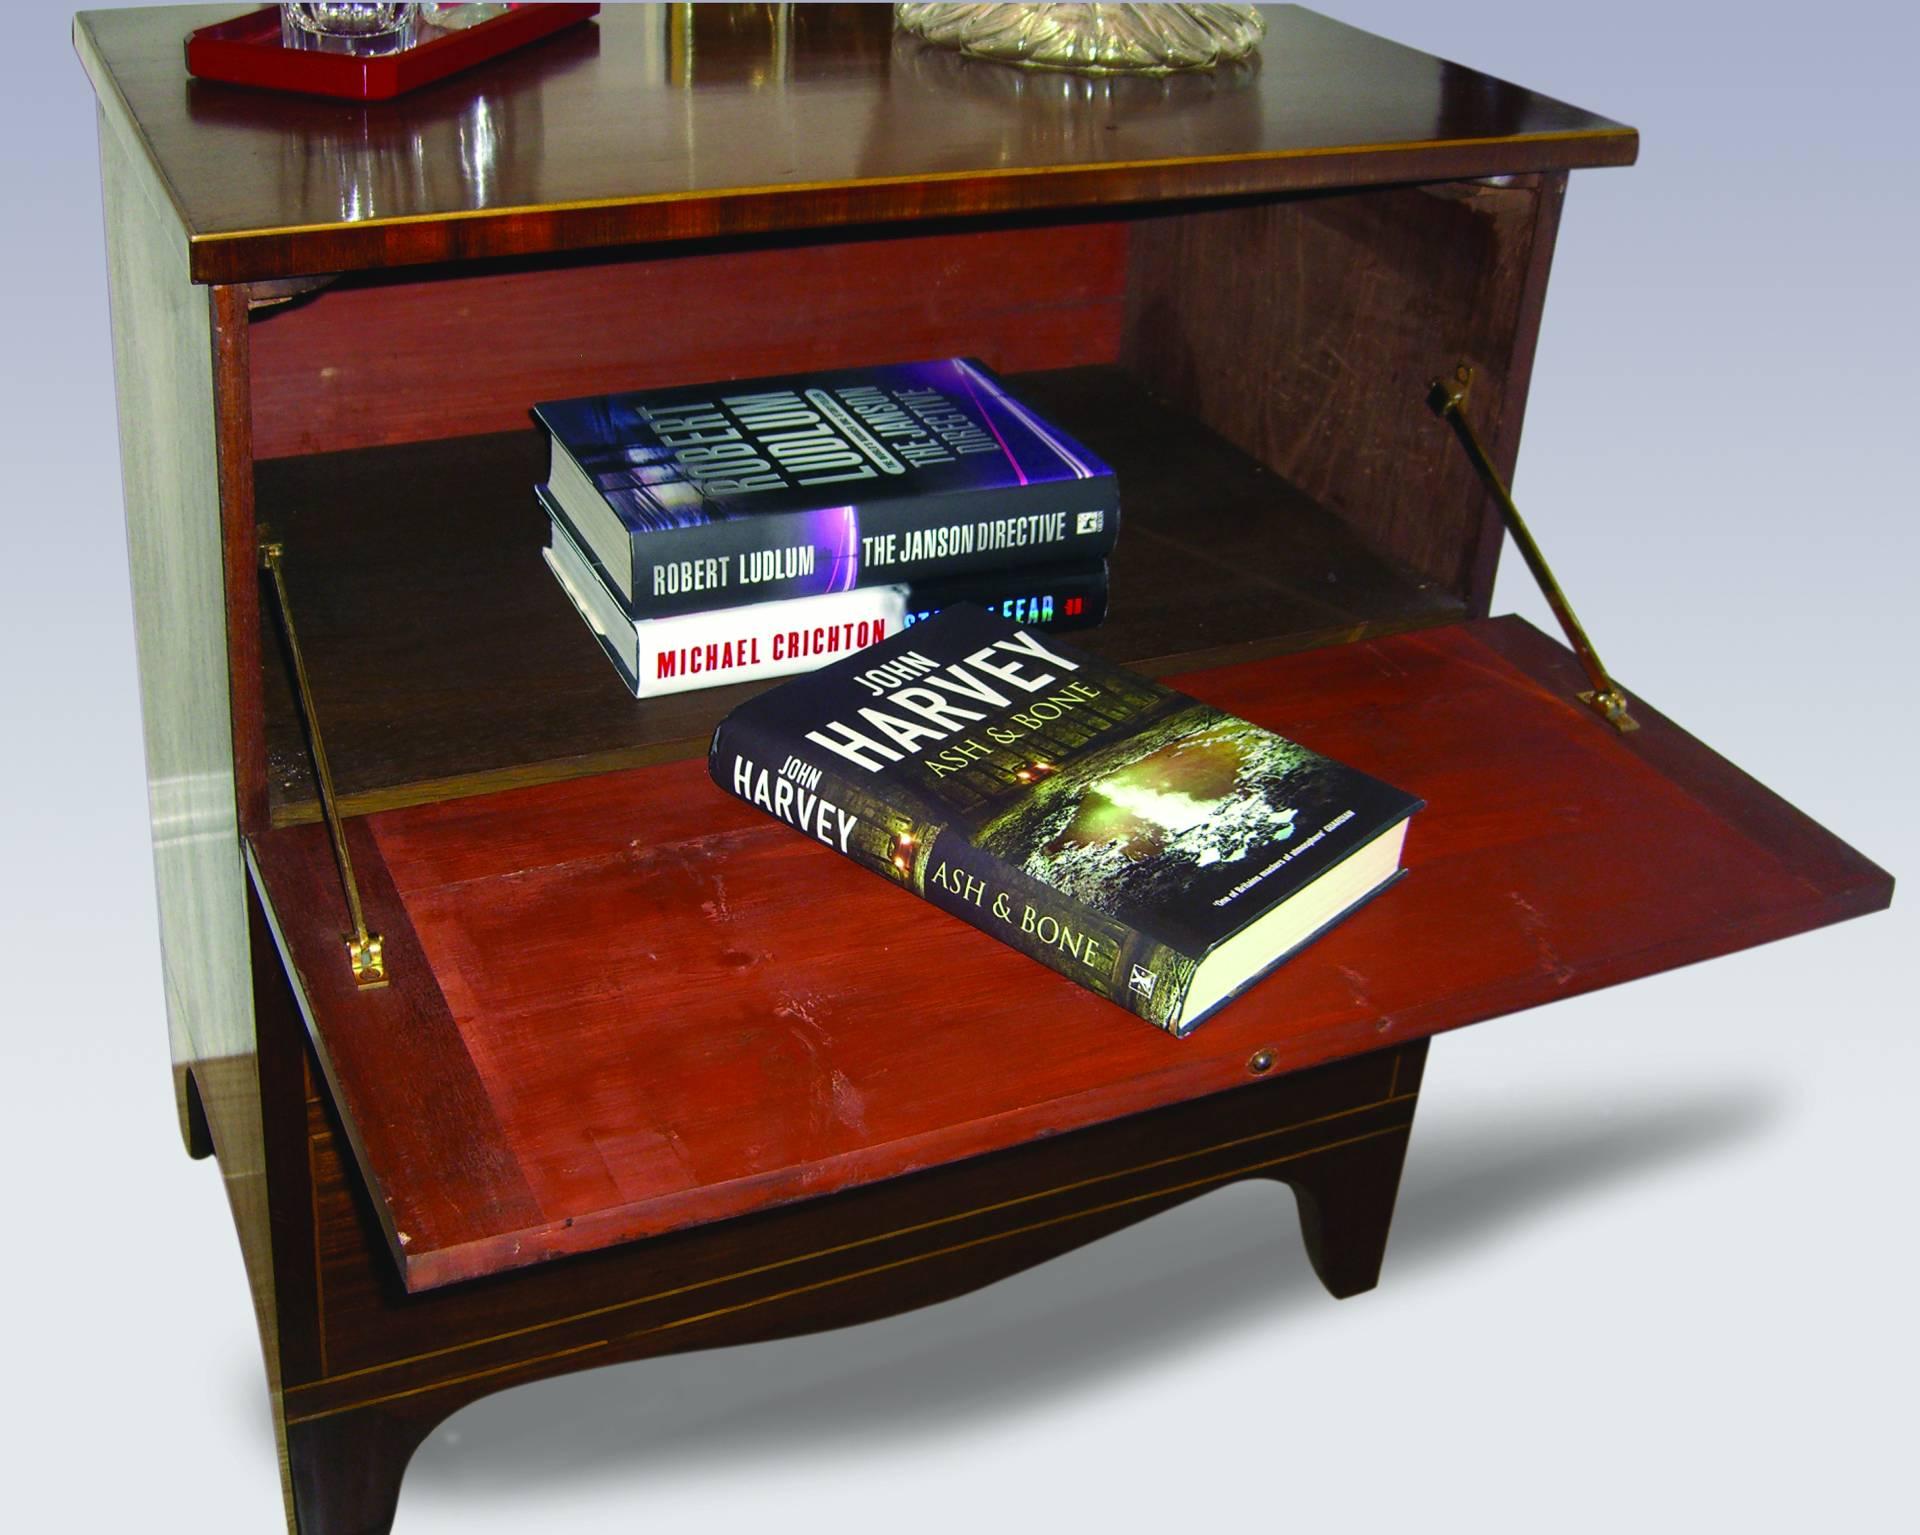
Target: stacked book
753, 529
1148, 846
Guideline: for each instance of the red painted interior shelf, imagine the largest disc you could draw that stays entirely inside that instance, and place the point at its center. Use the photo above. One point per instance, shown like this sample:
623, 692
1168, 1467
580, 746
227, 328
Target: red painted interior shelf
628, 1004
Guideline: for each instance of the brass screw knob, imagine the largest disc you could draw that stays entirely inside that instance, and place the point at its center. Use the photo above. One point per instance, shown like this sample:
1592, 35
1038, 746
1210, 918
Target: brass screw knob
1261, 1063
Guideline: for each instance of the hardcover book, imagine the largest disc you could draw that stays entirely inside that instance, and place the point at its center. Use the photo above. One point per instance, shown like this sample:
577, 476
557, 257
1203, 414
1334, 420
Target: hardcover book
1057, 598
1148, 846
656, 656
725, 494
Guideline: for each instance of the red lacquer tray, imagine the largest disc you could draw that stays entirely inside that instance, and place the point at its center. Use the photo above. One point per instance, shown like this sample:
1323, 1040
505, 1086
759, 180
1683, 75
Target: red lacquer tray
248, 51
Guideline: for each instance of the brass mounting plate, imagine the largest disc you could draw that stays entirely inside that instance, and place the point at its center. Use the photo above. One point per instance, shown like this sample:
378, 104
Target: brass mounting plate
368, 958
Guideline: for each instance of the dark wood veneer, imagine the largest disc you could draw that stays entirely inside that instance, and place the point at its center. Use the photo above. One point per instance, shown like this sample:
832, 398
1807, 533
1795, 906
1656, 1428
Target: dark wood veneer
369, 1369
1341, 311
611, 135
365, 1370
919, 1222
448, 353
240, 548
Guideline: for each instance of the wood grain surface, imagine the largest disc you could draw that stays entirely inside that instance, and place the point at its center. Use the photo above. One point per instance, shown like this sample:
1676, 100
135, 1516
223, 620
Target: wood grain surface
678, 1011
658, 123
453, 352
970, 1218
1320, 321
393, 1364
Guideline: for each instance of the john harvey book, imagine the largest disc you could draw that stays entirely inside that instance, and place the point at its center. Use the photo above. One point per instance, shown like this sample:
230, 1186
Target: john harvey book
1148, 846
729, 493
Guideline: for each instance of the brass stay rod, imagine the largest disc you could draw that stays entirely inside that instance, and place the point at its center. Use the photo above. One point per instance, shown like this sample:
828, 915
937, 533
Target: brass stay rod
365, 952
1446, 400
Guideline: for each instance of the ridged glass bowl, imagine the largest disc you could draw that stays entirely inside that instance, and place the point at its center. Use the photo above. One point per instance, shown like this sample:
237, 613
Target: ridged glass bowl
1092, 39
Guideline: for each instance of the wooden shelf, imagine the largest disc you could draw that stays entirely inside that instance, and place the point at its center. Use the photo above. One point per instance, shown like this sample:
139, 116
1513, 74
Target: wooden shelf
630, 1004
446, 662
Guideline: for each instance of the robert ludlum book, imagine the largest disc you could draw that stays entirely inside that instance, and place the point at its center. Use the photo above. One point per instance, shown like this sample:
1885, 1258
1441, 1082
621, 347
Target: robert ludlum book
656, 656
1150, 847
729, 493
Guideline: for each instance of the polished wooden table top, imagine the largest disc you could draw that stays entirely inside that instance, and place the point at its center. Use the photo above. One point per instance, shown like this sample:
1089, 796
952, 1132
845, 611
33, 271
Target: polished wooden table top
597, 137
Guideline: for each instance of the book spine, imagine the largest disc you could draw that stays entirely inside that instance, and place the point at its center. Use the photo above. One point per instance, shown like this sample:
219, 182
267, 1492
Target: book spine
897, 836
777, 555
1052, 597
751, 644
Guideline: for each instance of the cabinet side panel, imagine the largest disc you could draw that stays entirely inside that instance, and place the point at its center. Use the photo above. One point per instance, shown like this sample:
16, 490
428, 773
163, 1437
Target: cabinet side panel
163, 377
163, 358
1306, 331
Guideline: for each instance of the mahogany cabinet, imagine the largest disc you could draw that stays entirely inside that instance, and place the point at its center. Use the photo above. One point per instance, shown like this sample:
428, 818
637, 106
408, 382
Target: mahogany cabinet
650, 1073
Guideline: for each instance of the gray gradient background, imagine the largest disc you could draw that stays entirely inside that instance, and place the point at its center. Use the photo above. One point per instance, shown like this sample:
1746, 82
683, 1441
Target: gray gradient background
1653, 1264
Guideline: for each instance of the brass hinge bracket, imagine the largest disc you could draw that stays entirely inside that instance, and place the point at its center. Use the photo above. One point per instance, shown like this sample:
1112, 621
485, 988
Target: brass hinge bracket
365, 951
1447, 400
